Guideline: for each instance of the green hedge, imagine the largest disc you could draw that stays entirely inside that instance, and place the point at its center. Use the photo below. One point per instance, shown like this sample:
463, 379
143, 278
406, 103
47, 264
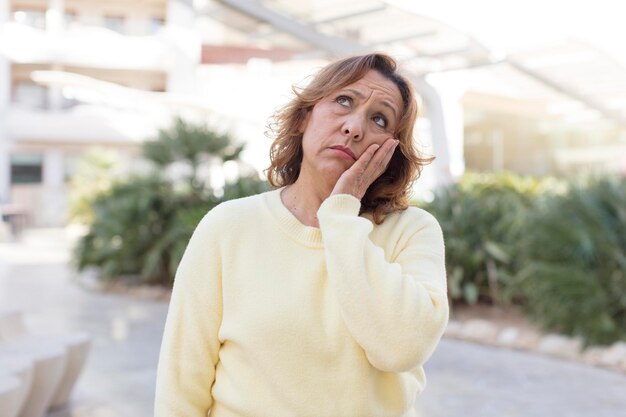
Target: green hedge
574, 275
139, 231
483, 218
556, 248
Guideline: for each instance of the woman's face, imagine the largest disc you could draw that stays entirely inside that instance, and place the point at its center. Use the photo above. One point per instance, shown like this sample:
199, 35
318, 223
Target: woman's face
342, 125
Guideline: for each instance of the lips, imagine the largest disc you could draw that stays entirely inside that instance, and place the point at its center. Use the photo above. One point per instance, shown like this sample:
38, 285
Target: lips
345, 150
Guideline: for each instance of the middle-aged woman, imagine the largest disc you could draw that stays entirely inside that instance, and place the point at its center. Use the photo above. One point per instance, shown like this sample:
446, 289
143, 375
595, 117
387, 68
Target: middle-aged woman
325, 296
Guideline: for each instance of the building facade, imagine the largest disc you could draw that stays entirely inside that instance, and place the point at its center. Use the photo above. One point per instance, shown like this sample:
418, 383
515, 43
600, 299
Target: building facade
47, 120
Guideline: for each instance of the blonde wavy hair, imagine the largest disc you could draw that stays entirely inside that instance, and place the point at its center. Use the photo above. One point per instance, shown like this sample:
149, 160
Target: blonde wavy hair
388, 193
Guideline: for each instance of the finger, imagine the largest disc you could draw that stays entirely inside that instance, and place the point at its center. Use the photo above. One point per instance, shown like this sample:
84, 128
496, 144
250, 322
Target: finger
364, 160
379, 162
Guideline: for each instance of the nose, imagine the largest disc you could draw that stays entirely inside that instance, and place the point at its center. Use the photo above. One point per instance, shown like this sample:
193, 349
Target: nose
353, 128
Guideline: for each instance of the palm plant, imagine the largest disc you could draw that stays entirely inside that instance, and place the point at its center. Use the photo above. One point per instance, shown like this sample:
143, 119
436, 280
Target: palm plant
482, 218
141, 226
574, 279
95, 174
193, 146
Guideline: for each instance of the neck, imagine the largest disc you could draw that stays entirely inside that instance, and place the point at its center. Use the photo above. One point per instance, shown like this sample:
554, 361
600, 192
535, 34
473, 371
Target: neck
304, 197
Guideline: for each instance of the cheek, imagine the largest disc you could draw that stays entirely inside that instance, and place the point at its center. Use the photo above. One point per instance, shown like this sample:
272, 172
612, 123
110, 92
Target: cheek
318, 126
380, 138
311, 141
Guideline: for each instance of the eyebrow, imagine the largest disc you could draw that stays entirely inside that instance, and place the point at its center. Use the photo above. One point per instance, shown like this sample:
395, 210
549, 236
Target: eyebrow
384, 102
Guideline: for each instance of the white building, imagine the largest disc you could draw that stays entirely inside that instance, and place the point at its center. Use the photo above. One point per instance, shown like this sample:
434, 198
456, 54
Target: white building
48, 122
79, 74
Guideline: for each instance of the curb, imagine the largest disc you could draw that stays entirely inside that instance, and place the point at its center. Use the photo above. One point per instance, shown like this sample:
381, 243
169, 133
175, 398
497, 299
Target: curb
484, 332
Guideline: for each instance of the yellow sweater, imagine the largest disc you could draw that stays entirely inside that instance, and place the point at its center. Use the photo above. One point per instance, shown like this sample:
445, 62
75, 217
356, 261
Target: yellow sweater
271, 318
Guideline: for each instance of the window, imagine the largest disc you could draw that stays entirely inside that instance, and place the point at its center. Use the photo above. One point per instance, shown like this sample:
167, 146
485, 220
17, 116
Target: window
156, 23
30, 95
71, 19
26, 168
72, 161
115, 23
34, 18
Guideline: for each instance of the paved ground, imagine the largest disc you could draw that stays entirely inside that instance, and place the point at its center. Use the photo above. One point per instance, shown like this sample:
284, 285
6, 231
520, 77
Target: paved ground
463, 379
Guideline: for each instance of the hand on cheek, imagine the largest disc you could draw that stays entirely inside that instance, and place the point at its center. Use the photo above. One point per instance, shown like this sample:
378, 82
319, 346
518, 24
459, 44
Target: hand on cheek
370, 165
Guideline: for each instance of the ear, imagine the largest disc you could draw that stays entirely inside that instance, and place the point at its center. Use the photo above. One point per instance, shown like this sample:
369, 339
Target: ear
305, 122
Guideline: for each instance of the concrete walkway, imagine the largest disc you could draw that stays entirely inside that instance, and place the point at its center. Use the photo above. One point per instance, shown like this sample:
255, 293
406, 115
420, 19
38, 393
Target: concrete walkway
463, 379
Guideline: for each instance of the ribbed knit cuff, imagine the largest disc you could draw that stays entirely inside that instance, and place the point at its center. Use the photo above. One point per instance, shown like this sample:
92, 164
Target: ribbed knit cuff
340, 204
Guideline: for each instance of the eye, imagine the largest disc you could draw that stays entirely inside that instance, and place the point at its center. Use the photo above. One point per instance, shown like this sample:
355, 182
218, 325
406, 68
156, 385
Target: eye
380, 120
344, 101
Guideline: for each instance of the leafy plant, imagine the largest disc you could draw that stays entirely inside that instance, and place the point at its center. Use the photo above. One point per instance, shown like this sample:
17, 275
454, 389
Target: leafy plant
557, 248
483, 217
129, 222
192, 146
574, 275
141, 226
94, 175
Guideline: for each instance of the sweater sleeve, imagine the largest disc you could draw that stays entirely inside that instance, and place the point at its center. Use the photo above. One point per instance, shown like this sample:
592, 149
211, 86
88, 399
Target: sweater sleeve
189, 350
395, 309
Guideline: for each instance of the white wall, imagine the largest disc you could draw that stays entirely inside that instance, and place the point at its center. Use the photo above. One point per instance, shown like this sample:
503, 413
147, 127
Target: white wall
185, 48
5, 169
5, 80
5, 96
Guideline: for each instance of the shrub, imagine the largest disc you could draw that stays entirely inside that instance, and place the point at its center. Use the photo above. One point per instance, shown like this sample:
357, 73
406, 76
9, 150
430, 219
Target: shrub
95, 174
129, 222
141, 226
483, 217
574, 274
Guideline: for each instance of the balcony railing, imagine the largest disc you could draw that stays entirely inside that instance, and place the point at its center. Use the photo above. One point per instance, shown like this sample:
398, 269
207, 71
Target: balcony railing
98, 47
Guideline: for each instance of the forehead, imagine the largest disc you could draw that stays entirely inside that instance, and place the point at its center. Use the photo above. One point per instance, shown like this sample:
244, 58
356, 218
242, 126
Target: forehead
376, 84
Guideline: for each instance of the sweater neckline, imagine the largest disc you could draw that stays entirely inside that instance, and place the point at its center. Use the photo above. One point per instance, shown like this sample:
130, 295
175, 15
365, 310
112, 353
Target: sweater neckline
307, 235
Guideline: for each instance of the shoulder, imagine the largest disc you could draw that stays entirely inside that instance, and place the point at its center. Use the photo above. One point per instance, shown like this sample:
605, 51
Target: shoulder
237, 206
412, 219
231, 213
413, 225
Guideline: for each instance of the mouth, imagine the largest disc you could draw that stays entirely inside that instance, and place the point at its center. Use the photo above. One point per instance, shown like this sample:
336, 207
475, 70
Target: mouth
344, 150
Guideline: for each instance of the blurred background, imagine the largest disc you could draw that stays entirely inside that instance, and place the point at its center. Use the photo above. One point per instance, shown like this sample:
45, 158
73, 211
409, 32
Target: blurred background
123, 122
536, 89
